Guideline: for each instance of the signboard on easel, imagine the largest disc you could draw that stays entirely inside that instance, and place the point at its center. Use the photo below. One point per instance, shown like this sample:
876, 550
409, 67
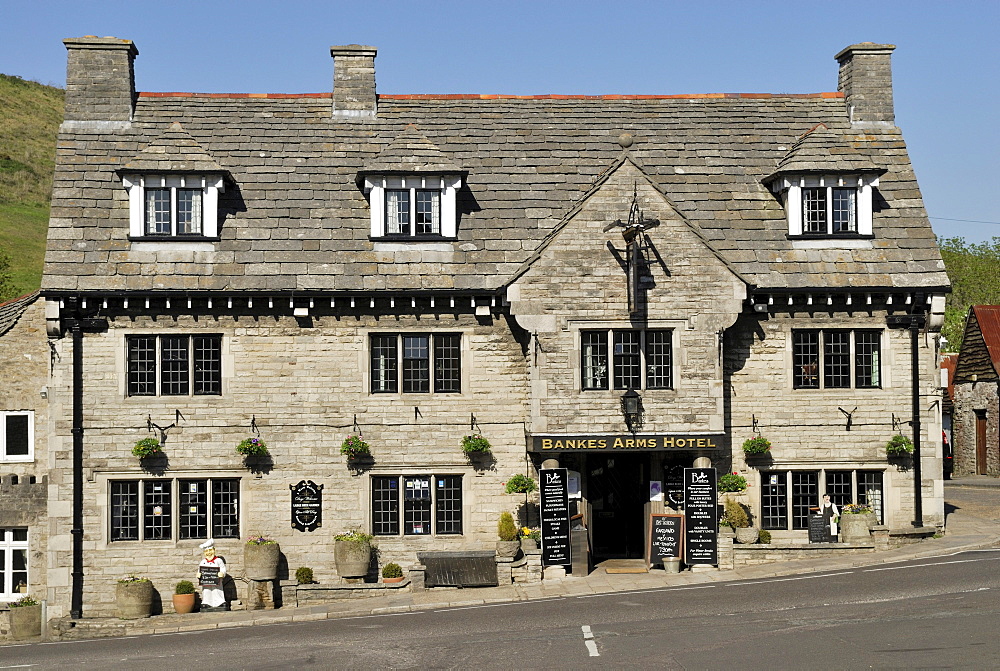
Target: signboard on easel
666, 537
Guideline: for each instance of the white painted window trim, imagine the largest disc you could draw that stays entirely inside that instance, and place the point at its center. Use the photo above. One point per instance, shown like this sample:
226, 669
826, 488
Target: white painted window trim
376, 185
7, 547
792, 186
17, 458
211, 186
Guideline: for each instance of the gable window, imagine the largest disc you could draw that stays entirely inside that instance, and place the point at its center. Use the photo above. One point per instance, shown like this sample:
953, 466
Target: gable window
416, 505
162, 509
408, 208
637, 359
416, 363
17, 433
836, 359
13, 563
174, 365
173, 206
820, 206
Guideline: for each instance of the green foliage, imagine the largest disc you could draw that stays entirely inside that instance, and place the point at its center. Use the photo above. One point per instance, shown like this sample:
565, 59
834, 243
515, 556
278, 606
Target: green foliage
304, 575
252, 447
260, 539
520, 484
131, 578
972, 269
756, 445
856, 509
736, 514
147, 447
764, 536
23, 601
506, 529
22, 237
184, 587
898, 446
732, 482
392, 570
475, 443
356, 536
7, 289
354, 447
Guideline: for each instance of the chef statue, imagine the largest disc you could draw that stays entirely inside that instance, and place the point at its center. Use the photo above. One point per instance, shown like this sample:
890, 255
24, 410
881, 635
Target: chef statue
211, 571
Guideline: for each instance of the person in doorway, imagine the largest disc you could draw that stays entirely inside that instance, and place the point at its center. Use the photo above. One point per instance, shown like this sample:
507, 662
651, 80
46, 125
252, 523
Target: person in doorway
828, 509
211, 571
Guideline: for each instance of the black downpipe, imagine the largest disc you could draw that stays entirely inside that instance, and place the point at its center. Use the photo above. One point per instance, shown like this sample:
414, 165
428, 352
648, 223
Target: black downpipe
76, 596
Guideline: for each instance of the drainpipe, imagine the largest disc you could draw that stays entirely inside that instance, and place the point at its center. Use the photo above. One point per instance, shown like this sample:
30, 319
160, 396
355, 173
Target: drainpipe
76, 593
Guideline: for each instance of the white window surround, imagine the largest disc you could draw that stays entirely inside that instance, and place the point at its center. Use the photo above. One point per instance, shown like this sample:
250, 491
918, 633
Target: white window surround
210, 185
7, 418
791, 186
376, 185
13, 563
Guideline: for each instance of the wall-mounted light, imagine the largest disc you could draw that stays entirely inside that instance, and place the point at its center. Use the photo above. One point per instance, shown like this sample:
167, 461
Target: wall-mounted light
632, 410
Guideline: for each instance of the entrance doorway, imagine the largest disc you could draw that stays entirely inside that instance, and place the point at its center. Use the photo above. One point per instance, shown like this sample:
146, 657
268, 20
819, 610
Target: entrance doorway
981, 442
617, 491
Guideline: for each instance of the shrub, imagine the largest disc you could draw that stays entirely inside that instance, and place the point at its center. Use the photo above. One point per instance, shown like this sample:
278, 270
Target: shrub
756, 445
354, 447
475, 444
506, 529
184, 587
304, 575
856, 509
392, 570
898, 446
732, 482
24, 600
147, 447
520, 484
354, 536
737, 515
764, 536
130, 578
252, 447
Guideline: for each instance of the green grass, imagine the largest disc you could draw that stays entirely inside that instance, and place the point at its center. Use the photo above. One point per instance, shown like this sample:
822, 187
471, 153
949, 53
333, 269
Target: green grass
22, 238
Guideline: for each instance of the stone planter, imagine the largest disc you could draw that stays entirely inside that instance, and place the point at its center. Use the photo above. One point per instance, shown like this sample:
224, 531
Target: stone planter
260, 562
746, 535
134, 600
25, 622
508, 549
529, 545
183, 603
854, 528
352, 559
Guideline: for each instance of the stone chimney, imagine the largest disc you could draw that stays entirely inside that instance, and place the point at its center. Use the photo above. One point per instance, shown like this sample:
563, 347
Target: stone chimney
100, 81
354, 81
866, 82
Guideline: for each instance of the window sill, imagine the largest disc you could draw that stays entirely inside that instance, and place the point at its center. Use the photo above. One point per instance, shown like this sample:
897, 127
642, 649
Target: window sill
172, 238
17, 460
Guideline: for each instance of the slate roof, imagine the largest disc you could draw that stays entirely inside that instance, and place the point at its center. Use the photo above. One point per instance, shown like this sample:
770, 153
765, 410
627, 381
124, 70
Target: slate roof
12, 310
296, 219
173, 151
820, 150
411, 152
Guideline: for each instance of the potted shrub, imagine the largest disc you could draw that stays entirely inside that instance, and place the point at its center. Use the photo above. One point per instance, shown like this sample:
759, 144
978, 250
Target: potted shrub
740, 521
854, 522
147, 447
252, 447
732, 482
530, 538
519, 484
508, 545
899, 446
134, 597
476, 445
261, 555
183, 597
392, 573
756, 446
354, 447
25, 618
304, 575
352, 552
764, 537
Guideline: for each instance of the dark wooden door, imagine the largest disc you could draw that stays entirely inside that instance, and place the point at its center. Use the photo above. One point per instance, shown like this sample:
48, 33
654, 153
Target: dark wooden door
981, 442
617, 492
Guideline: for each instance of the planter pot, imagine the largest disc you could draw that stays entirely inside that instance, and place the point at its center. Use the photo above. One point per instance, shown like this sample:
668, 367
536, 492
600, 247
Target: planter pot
260, 562
25, 622
352, 558
671, 564
134, 600
529, 545
392, 580
508, 548
183, 603
854, 528
746, 535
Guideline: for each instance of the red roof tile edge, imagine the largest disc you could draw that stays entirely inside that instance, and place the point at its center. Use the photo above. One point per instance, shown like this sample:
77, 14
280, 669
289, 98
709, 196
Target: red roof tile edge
478, 96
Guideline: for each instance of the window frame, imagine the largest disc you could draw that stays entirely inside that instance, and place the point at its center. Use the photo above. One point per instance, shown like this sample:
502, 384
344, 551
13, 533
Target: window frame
792, 188
208, 185
378, 188
199, 372
828, 224
9, 549
131, 525
781, 500
5, 456
817, 355
398, 509
603, 355
424, 362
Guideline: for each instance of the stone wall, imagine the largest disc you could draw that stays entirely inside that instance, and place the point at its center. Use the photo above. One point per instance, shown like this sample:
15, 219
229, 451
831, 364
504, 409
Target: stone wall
970, 397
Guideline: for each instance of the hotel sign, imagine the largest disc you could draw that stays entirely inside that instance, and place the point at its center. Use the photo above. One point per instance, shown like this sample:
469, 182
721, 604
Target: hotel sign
653, 442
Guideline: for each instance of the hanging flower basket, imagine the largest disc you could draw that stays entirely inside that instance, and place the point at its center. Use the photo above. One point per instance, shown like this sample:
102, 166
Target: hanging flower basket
355, 447
899, 446
519, 484
252, 447
756, 446
476, 444
147, 447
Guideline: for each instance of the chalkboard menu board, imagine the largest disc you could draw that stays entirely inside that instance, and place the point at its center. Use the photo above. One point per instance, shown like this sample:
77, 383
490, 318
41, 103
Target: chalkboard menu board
701, 517
307, 505
664, 536
554, 499
819, 531
209, 576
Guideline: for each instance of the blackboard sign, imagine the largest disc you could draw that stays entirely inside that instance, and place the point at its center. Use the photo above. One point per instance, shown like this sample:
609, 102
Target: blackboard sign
307, 505
664, 536
209, 575
701, 517
554, 499
819, 531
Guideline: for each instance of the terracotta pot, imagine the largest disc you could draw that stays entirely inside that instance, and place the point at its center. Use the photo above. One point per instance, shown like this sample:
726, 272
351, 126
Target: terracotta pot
25, 622
183, 603
260, 562
352, 559
134, 600
393, 580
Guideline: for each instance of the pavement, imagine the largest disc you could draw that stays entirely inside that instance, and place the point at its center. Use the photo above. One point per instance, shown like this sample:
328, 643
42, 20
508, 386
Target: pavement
972, 508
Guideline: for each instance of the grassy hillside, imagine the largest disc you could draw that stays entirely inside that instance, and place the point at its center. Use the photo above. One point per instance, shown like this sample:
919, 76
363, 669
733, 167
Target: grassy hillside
30, 114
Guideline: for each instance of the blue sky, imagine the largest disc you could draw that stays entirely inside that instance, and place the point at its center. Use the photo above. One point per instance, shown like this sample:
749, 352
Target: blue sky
945, 67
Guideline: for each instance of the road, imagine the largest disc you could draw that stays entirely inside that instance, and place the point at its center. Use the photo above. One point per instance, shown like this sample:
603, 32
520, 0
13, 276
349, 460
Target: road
931, 613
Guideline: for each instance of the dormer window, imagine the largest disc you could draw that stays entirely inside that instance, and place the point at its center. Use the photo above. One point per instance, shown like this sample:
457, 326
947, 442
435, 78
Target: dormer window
827, 205
173, 206
829, 210
414, 207
413, 211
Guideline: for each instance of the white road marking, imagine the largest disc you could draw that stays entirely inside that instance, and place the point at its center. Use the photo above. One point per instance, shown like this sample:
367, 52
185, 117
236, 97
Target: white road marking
940, 563
588, 640
804, 577
640, 591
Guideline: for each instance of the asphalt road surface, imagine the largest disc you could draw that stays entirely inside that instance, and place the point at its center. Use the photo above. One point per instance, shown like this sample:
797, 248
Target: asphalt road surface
931, 613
